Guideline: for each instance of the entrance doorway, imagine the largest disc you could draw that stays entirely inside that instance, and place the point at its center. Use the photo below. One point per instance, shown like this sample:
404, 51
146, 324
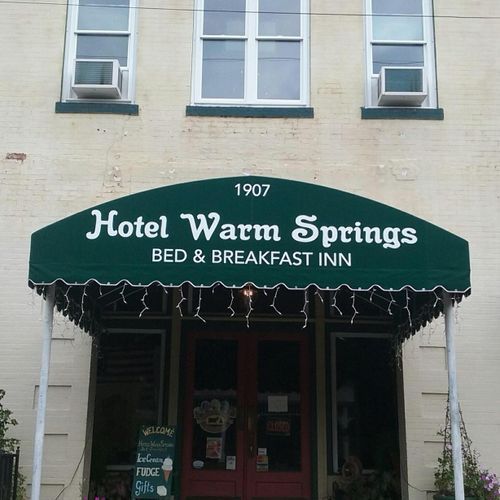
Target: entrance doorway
246, 423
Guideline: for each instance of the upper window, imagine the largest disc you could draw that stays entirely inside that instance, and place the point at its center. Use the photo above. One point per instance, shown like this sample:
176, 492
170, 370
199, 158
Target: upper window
99, 50
251, 52
400, 53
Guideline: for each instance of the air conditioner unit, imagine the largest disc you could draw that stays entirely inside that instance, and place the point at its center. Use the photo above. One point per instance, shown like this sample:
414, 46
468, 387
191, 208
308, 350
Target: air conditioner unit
401, 86
97, 79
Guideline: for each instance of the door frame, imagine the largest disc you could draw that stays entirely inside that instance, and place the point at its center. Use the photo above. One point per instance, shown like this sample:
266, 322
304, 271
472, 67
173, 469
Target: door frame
245, 355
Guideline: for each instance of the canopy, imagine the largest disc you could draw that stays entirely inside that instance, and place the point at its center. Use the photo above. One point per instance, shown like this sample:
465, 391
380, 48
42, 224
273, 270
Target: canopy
249, 229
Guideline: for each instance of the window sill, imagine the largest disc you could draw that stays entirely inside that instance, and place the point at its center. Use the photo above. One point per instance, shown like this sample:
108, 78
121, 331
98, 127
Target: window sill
402, 113
114, 108
249, 112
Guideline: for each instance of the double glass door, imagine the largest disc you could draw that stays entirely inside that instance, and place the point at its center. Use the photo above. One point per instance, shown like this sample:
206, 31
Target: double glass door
246, 423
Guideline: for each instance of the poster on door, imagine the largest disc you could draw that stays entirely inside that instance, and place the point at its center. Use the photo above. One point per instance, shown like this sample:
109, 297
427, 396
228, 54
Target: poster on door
154, 463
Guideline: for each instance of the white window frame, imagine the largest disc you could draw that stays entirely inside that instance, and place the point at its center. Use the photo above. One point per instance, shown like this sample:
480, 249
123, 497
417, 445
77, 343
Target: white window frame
251, 39
427, 44
128, 72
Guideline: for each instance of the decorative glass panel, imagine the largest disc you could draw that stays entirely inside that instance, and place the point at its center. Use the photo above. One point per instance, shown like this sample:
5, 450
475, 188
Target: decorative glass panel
103, 47
224, 17
109, 15
214, 404
279, 70
223, 69
396, 26
397, 55
279, 17
278, 411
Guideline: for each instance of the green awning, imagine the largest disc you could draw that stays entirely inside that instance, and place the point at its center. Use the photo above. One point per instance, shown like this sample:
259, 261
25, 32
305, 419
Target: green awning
243, 230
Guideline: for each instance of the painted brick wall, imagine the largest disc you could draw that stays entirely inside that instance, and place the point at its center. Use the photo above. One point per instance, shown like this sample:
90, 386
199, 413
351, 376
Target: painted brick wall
444, 171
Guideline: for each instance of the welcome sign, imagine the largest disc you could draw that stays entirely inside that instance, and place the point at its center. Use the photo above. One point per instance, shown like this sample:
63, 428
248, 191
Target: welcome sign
249, 229
154, 462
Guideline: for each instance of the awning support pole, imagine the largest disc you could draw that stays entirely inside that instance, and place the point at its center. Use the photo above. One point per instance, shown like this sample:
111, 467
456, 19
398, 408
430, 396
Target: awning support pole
456, 439
47, 325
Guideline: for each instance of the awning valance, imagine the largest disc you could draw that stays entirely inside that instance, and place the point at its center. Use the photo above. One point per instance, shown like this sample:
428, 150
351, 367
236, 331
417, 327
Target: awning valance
260, 230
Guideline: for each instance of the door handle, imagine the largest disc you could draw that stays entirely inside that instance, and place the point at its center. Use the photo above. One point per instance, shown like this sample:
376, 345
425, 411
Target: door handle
251, 433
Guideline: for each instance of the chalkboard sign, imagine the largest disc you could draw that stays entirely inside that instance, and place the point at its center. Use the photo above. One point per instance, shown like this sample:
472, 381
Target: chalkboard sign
154, 462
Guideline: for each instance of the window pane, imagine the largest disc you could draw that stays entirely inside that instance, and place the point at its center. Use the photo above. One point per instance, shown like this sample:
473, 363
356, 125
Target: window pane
279, 70
397, 27
279, 432
367, 423
279, 17
224, 17
397, 55
397, 6
98, 15
103, 47
223, 69
215, 391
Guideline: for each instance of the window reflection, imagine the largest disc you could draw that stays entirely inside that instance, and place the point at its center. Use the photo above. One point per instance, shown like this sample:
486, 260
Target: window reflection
397, 55
279, 17
279, 70
103, 47
224, 17
367, 424
278, 412
214, 404
109, 15
223, 69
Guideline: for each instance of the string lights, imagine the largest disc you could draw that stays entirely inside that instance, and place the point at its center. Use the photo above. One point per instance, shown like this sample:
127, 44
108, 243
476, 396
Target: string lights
273, 304
392, 301
122, 293
249, 295
407, 307
82, 304
77, 302
353, 297
304, 309
230, 306
438, 299
318, 294
178, 306
66, 298
197, 314
334, 302
143, 300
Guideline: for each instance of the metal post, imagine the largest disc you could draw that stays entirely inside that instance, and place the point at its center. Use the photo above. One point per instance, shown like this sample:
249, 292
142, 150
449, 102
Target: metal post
48, 321
456, 440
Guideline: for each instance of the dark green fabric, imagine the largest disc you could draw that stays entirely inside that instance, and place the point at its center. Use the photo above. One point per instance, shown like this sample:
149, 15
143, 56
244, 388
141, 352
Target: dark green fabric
438, 258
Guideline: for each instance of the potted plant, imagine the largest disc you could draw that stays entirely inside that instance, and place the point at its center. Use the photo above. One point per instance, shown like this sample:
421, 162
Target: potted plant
9, 445
479, 484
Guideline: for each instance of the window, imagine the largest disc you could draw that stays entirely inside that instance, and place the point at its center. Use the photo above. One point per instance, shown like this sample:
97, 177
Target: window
400, 53
99, 59
129, 393
365, 422
251, 52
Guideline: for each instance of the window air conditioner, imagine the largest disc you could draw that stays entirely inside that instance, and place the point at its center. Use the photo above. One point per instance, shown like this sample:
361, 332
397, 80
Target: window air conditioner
97, 79
401, 86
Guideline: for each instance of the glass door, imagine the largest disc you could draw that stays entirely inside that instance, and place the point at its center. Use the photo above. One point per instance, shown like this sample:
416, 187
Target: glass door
246, 422
278, 458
